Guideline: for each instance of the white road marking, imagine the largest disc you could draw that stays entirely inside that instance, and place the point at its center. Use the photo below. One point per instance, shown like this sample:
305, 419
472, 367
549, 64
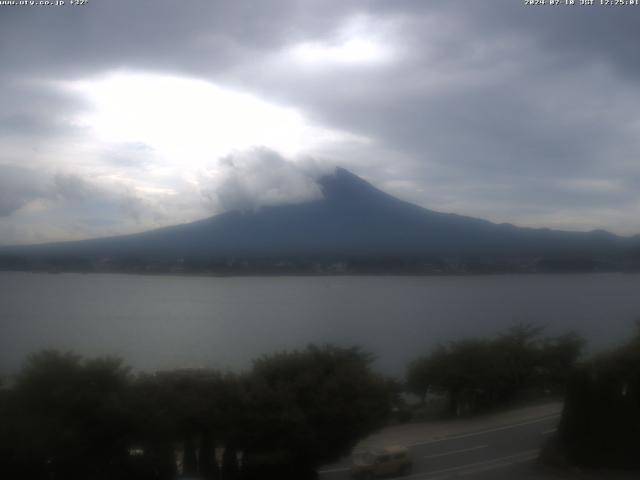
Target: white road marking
436, 455
550, 431
501, 463
455, 437
333, 470
482, 432
476, 467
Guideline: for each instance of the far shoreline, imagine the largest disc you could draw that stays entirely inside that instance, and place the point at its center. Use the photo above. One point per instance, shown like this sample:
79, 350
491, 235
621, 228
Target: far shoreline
322, 275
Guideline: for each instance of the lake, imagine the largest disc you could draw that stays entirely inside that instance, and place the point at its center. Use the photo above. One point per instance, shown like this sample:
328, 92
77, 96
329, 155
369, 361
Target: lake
175, 321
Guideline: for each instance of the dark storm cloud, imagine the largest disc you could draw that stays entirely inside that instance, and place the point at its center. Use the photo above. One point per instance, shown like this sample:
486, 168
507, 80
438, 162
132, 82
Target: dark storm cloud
72, 187
19, 186
103, 202
487, 108
33, 109
493, 93
201, 35
574, 35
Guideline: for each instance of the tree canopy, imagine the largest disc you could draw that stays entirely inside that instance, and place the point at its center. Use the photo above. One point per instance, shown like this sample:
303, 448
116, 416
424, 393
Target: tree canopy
68, 417
479, 373
600, 424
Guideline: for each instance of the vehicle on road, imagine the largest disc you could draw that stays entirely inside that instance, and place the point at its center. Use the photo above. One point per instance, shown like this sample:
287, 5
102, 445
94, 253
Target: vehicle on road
384, 462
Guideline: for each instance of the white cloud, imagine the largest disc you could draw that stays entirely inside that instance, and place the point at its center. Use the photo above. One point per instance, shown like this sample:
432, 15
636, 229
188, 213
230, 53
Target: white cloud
361, 41
188, 122
259, 177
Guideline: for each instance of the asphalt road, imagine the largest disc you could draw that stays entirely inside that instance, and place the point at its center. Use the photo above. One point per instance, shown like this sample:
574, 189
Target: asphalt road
507, 452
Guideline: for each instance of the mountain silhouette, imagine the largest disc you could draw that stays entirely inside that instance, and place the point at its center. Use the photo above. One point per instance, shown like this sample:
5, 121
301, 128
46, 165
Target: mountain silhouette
352, 219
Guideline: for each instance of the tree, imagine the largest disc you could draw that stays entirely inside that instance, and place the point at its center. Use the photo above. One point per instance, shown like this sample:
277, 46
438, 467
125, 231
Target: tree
518, 357
420, 377
198, 409
478, 374
600, 423
70, 418
310, 407
558, 355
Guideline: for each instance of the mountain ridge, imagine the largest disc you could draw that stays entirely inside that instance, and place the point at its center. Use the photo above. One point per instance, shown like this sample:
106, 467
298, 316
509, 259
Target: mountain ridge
353, 218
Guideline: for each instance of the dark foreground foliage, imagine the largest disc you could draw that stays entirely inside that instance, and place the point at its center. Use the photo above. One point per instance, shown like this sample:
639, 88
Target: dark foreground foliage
600, 423
481, 374
70, 418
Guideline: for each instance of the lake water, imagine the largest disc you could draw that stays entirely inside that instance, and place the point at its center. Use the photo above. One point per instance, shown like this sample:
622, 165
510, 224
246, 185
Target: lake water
174, 321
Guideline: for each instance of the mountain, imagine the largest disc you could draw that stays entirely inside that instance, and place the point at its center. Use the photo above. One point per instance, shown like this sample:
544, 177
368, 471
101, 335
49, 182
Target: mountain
352, 219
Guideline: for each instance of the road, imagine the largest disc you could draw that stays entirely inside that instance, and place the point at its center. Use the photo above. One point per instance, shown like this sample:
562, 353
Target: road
505, 452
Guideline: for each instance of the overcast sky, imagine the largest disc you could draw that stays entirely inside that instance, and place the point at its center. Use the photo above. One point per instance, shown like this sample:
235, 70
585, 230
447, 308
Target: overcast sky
120, 116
